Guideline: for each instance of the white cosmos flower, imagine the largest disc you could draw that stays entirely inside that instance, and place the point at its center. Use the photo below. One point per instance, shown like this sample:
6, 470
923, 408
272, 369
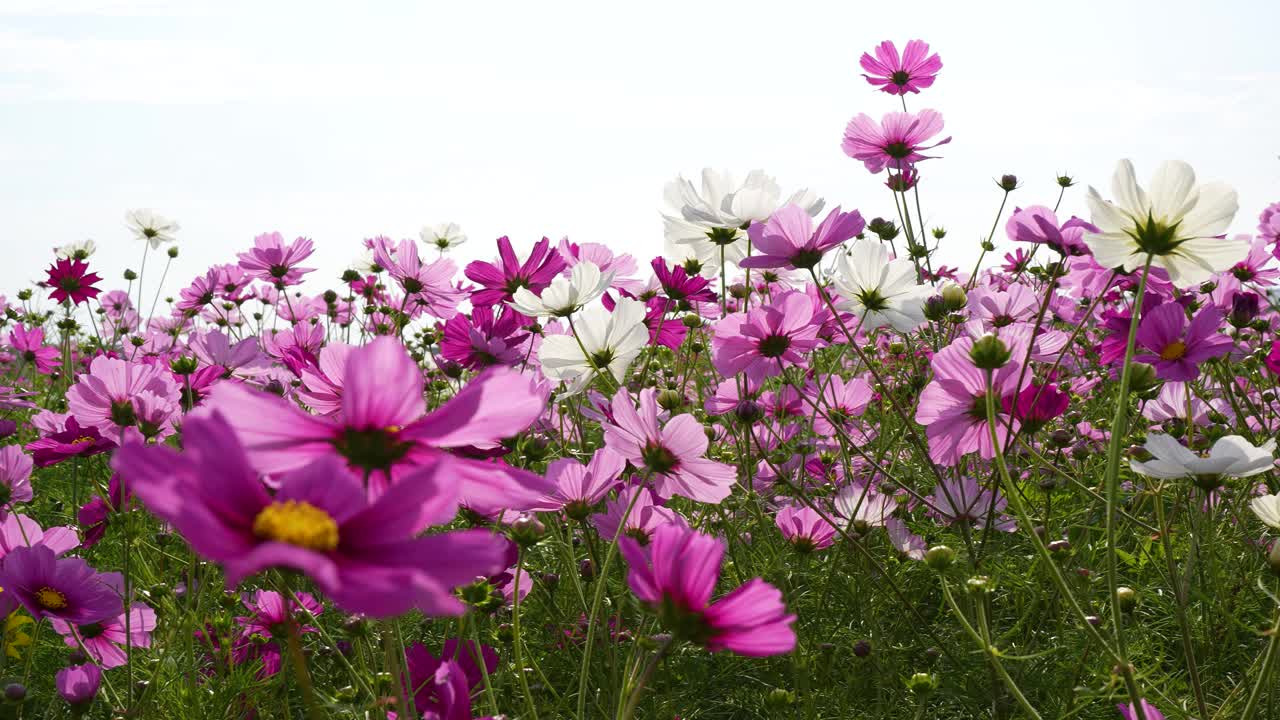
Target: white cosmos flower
714, 219
1230, 457
878, 290
565, 295
151, 227
444, 236
1267, 508
611, 340
1176, 221
79, 250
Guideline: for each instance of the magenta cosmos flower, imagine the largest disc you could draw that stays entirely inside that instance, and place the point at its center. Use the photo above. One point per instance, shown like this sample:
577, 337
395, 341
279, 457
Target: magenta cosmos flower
789, 240
490, 336
1038, 224
71, 280
382, 428
118, 396
30, 347
272, 260
953, 406
500, 280
763, 340
914, 70
645, 518
105, 640
263, 630
367, 556
78, 684
1129, 712
15, 477
896, 142
1176, 346
805, 529
69, 441
460, 661
672, 453
58, 588
676, 574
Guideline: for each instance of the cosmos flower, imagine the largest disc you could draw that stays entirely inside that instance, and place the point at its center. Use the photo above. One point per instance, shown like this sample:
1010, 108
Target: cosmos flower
911, 72
673, 453
1230, 457
897, 142
804, 528
78, 684
426, 285
1176, 347
151, 227
963, 500
491, 335
677, 284
261, 632
71, 440
764, 340
273, 261
443, 236
499, 280
368, 556
646, 515
71, 280
1129, 712
605, 342
675, 575
788, 238
1178, 224
15, 477
564, 295
462, 673
104, 640
1038, 224
1267, 508
59, 588
77, 250
953, 405
578, 487
119, 397
880, 291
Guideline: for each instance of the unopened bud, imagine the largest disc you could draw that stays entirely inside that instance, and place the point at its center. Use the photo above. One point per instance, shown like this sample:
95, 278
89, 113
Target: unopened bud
989, 353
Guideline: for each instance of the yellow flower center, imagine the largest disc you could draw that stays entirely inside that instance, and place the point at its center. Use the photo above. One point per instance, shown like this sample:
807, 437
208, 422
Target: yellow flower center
82, 441
51, 599
1174, 350
297, 522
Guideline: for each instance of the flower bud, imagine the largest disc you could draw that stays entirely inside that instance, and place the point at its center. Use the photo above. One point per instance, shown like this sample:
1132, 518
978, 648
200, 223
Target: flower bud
130, 275
940, 557
1065, 181
671, 400
954, 297
1273, 557
922, 683
527, 530
779, 699
989, 353
748, 411
979, 585
862, 648
15, 692
1142, 377
183, 364
935, 308
1127, 597
1008, 183
172, 252
939, 233
691, 321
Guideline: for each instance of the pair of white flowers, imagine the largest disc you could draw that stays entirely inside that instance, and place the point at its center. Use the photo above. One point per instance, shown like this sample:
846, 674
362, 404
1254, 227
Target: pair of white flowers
146, 225
1230, 457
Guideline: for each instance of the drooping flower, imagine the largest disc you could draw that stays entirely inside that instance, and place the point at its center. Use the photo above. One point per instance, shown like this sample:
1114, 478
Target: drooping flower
897, 142
1267, 508
788, 238
435, 691
1177, 224
606, 342
71, 280
911, 72
499, 280
880, 291
673, 453
274, 261
151, 227
78, 684
675, 575
59, 588
368, 556
1129, 712
105, 640
1230, 457
1038, 224
382, 429
766, 339
804, 528
30, 348
1176, 347
564, 295
15, 476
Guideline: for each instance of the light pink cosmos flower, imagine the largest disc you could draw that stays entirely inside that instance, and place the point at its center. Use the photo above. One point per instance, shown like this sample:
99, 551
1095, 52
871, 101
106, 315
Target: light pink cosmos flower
104, 641
1176, 346
999, 308
428, 286
896, 142
842, 401
673, 454
953, 405
804, 528
272, 261
788, 238
578, 487
383, 429
622, 265
963, 500
911, 72
1254, 267
30, 347
15, 477
645, 518
1038, 224
215, 348
1269, 227
676, 574
763, 340
117, 396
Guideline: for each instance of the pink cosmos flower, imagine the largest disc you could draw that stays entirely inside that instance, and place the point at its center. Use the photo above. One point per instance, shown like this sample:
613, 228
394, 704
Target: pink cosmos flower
59, 588
1000, 308
71, 280
1036, 405
68, 441
676, 574
441, 687
953, 405
15, 477
78, 684
677, 284
492, 335
915, 70
1129, 712
645, 518
273, 261
19, 531
117, 396
369, 557
1038, 224
500, 280
788, 238
30, 348
1175, 347
262, 632
104, 641
1254, 267
805, 529
428, 286
763, 340
623, 266
896, 142
1269, 227
578, 487
383, 430
963, 500
842, 401
672, 453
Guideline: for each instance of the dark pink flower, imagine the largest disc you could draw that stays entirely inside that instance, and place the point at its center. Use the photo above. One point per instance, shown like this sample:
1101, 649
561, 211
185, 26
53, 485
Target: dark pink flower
262, 632
500, 280
914, 70
676, 574
58, 588
1176, 347
492, 335
30, 348
78, 684
71, 280
105, 640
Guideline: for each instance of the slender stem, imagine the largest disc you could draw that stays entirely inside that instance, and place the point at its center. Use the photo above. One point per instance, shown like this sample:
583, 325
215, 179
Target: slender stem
517, 641
1268, 661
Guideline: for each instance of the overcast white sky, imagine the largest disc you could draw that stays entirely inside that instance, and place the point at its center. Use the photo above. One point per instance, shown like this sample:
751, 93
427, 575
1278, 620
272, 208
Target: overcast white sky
547, 118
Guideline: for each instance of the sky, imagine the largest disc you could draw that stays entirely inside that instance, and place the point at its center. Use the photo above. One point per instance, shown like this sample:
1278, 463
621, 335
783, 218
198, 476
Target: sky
340, 121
